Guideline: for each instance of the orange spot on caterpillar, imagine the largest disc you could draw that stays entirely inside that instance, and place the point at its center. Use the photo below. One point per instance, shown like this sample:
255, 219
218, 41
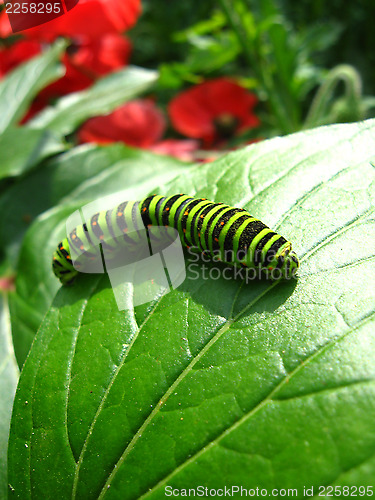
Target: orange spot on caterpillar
119, 214
201, 216
94, 223
216, 239
125, 230
222, 223
144, 209
74, 237
81, 247
167, 208
186, 213
184, 230
101, 237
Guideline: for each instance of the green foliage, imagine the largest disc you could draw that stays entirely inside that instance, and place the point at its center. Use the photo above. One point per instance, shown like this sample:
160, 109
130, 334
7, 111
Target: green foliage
36, 146
357, 37
20, 87
283, 62
104, 96
8, 380
153, 36
218, 382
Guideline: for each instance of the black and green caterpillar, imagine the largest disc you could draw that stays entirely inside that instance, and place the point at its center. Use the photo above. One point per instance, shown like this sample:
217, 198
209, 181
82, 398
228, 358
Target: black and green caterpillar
230, 234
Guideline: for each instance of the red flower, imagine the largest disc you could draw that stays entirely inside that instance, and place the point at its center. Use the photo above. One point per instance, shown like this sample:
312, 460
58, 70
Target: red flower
16, 54
101, 55
89, 18
84, 63
88, 59
137, 123
92, 18
213, 111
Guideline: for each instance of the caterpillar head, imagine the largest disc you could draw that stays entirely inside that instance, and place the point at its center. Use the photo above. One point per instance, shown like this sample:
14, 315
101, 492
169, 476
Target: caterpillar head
284, 264
290, 265
62, 265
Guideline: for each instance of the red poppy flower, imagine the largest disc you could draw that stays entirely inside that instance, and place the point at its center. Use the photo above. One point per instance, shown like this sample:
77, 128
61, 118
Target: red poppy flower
16, 54
213, 111
181, 149
88, 59
137, 123
101, 55
92, 18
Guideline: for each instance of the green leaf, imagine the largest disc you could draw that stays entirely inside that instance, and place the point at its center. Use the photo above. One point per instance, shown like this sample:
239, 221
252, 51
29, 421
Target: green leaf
101, 98
75, 178
19, 87
220, 382
36, 146
208, 54
8, 381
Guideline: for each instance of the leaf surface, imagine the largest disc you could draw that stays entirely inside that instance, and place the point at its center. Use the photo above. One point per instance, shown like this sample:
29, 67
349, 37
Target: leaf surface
8, 381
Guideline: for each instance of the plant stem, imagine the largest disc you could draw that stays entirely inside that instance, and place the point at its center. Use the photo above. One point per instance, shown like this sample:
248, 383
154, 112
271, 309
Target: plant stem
353, 90
258, 65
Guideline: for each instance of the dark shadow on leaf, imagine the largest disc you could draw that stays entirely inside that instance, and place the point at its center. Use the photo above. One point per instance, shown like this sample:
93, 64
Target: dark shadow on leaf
220, 289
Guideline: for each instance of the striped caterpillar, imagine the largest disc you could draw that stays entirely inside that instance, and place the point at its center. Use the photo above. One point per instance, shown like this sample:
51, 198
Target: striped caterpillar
230, 234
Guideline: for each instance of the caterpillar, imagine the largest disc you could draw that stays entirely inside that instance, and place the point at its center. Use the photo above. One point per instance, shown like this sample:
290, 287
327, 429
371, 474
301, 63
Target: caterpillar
227, 233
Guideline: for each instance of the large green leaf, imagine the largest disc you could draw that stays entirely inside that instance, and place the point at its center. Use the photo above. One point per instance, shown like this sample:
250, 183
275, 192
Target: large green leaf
20, 86
220, 383
73, 179
8, 382
101, 98
36, 146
